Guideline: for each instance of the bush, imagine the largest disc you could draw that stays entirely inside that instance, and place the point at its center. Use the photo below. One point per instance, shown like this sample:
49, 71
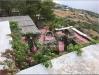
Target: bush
20, 49
94, 41
44, 55
76, 48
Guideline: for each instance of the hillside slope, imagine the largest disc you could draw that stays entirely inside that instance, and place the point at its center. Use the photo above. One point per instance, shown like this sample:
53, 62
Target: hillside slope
86, 21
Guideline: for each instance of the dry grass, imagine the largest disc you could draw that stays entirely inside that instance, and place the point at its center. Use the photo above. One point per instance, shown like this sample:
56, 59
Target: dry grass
75, 16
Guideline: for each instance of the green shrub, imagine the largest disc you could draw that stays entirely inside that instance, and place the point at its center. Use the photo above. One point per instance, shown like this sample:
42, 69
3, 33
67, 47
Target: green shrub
94, 41
76, 48
44, 55
20, 49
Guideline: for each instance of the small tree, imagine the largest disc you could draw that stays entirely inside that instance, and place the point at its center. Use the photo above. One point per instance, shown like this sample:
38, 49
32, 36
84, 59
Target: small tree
46, 10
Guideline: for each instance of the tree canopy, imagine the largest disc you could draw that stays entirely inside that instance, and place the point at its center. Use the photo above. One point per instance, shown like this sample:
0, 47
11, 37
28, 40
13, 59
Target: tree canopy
43, 8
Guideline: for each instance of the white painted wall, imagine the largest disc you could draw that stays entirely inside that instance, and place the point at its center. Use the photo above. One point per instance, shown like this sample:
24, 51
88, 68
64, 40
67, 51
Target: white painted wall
4, 39
38, 69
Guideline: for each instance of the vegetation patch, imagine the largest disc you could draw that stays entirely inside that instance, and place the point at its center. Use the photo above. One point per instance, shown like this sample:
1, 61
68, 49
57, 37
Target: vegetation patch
24, 58
76, 48
21, 54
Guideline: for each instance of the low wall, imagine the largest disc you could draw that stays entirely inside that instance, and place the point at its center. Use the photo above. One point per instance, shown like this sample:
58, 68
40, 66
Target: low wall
71, 63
